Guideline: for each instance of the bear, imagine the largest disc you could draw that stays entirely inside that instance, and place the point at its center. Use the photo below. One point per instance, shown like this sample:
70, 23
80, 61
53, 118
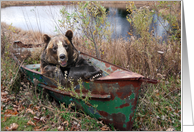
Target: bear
60, 61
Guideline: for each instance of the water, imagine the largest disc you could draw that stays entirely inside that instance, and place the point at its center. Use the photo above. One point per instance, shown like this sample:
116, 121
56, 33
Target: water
45, 19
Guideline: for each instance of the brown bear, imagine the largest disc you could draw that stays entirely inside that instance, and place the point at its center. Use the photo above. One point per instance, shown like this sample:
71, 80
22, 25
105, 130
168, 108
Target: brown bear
61, 61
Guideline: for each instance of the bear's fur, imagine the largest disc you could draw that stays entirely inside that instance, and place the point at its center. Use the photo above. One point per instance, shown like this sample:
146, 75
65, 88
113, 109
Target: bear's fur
60, 60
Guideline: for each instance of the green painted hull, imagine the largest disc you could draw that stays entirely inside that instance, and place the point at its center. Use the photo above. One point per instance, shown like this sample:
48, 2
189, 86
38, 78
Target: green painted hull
113, 97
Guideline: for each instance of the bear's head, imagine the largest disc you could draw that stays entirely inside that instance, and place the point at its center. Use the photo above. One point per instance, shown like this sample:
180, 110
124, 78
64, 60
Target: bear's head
59, 50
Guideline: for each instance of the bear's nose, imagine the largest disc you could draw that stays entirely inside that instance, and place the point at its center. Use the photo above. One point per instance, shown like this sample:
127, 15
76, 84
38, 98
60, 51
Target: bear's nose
62, 56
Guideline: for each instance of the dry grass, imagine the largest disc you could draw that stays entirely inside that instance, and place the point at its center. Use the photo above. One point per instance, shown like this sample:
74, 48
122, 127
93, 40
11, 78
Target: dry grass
140, 57
27, 37
136, 55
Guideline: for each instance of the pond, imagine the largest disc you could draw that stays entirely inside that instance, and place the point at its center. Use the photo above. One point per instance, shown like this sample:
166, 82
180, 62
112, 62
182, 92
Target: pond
45, 19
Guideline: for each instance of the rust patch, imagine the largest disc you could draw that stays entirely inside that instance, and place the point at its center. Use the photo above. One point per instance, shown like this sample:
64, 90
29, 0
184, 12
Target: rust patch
119, 120
103, 113
123, 105
119, 117
129, 124
124, 93
119, 94
123, 83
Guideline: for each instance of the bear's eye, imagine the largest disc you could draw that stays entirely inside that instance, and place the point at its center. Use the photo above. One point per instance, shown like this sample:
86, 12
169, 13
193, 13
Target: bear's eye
55, 48
66, 46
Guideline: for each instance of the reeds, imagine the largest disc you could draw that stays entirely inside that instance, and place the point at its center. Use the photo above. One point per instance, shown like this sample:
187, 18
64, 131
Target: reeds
26, 37
154, 60
132, 54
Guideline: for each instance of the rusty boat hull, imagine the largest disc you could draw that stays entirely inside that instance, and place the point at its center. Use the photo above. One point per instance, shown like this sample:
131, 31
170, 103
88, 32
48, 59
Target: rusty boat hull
113, 97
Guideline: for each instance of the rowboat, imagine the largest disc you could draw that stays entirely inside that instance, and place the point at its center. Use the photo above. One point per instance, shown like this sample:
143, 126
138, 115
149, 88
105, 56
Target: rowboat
113, 97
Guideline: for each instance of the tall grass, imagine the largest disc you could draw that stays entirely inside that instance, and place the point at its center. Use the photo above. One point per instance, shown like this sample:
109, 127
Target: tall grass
9, 69
133, 54
143, 59
26, 37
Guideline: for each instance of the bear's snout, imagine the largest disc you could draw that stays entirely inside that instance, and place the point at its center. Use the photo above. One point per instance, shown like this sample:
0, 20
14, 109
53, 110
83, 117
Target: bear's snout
63, 60
62, 57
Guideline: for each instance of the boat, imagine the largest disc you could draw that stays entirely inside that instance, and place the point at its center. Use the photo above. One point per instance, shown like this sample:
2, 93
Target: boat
113, 97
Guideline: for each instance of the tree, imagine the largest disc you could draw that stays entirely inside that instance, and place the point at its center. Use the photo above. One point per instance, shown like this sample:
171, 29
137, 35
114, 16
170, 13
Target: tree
93, 24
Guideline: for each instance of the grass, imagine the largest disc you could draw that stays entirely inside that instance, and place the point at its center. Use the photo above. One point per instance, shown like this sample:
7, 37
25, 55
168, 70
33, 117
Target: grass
162, 104
20, 120
159, 106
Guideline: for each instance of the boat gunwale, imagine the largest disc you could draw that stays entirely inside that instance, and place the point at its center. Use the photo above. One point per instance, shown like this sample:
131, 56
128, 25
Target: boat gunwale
140, 78
97, 80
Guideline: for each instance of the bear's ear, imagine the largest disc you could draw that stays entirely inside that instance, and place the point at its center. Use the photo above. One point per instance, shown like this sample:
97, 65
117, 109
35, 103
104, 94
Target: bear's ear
46, 38
69, 34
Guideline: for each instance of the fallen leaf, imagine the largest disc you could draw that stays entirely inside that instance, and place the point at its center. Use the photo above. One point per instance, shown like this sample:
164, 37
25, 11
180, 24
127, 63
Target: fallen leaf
74, 128
60, 128
15, 110
45, 127
21, 107
30, 111
36, 108
43, 119
6, 128
170, 129
5, 118
53, 125
156, 91
2, 107
65, 122
36, 118
75, 123
37, 128
13, 126
100, 122
4, 99
31, 123
38, 114
27, 93
15, 106
105, 128
4, 93
157, 94
10, 112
